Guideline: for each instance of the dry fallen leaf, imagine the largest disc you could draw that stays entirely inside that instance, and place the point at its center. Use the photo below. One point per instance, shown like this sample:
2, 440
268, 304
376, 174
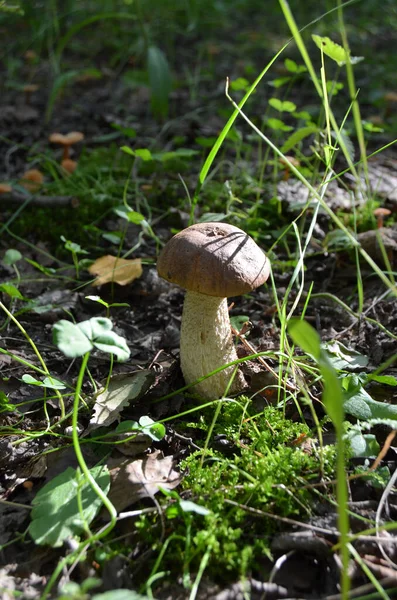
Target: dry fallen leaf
133, 480
120, 270
122, 389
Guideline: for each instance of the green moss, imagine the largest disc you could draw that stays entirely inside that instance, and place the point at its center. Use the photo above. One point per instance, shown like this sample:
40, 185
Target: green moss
262, 476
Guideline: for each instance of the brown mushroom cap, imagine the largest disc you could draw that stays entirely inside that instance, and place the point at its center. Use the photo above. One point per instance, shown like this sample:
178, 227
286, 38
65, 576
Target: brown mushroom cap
66, 139
5, 188
216, 259
382, 212
69, 165
30, 87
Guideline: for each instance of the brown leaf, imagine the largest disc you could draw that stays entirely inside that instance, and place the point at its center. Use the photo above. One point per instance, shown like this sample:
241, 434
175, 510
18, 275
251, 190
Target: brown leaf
120, 270
121, 390
133, 480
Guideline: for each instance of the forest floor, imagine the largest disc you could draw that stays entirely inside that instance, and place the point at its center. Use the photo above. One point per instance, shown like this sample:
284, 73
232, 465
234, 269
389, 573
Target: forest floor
296, 559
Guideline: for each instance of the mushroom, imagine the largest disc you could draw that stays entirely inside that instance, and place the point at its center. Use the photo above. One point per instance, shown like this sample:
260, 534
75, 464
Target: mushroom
28, 90
32, 180
66, 141
287, 161
380, 213
5, 188
211, 261
69, 165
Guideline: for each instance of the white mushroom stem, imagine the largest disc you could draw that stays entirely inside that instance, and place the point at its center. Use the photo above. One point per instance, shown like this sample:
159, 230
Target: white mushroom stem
206, 344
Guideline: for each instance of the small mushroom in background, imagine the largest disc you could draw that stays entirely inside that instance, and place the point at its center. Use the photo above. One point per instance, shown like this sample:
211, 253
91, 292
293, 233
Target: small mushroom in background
5, 188
66, 141
30, 56
380, 213
69, 165
28, 90
211, 261
32, 180
286, 162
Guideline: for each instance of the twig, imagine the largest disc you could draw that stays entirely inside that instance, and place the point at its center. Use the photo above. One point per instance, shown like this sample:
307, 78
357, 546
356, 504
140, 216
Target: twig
16, 198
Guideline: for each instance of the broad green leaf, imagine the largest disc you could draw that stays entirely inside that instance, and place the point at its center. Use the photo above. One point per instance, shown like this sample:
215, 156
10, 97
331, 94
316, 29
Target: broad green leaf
56, 516
135, 217
127, 131
11, 257
70, 339
333, 87
298, 136
359, 404
143, 153
154, 430
48, 382
384, 379
292, 67
113, 343
363, 445
279, 82
11, 290
334, 50
278, 125
127, 150
159, 81
343, 358
282, 106
72, 246
239, 85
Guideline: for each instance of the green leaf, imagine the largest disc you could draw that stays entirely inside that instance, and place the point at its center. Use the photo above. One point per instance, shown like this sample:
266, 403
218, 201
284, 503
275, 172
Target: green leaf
278, 125
11, 257
144, 154
113, 343
359, 404
127, 150
39, 267
362, 445
343, 358
384, 379
292, 67
70, 339
159, 81
56, 516
334, 50
135, 217
279, 82
48, 382
282, 106
298, 136
239, 85
12, 291
72, 246
127, 131
156, 431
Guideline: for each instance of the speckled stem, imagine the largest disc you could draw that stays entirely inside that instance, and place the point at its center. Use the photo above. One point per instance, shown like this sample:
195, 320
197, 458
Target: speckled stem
206, 344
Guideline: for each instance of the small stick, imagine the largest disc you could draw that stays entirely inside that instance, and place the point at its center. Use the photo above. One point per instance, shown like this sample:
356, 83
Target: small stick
15, 198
